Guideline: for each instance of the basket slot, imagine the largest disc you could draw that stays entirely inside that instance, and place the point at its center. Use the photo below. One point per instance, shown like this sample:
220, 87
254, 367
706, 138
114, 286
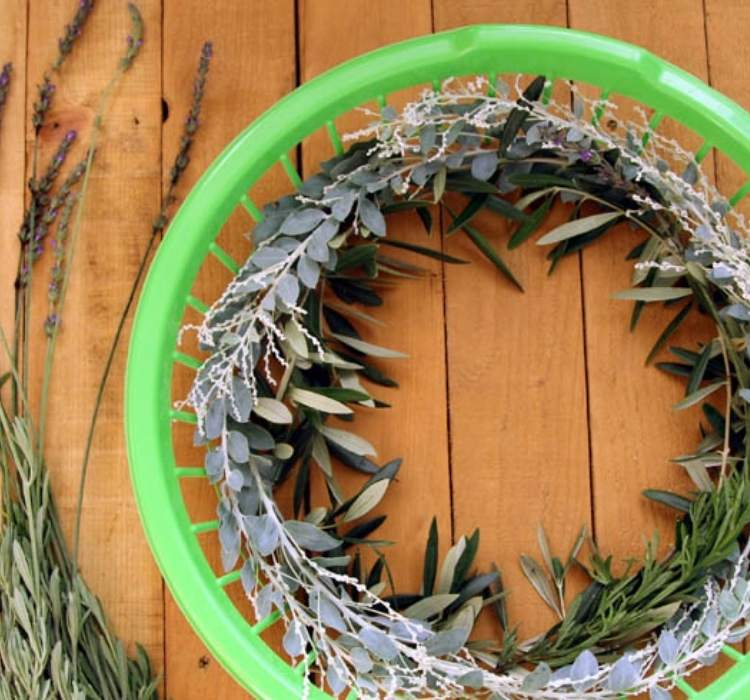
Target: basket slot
190, 472
335, 138
251, 208
186, 360
303, 665
549, 83
686, 688
290, 170
184, 417
196, 304
703, 151
491, 79
206, 526
266, 622
732, 653
740, 194
352, 695
226, 579
653, 124
382, 100
224, 258
600, 107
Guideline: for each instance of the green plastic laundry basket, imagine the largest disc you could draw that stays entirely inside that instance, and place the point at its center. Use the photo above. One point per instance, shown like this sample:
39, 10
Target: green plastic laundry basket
613, 67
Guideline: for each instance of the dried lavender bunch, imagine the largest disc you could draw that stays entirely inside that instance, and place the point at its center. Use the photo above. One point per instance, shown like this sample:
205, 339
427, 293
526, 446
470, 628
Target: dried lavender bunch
134, 40
55, 642
192, 124
46, 90
58, 270
4, 85
186, 141
72, 32
34, 229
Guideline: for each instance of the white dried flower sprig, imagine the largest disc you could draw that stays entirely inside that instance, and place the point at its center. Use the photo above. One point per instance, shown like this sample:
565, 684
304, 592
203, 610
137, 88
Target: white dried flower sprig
359, 639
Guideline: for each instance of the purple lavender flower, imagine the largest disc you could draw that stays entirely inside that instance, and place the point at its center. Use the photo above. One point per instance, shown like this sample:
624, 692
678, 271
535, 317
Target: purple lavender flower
4, 85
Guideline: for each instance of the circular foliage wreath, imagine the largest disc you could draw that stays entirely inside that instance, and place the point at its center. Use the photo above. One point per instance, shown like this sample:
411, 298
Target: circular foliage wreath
285, 354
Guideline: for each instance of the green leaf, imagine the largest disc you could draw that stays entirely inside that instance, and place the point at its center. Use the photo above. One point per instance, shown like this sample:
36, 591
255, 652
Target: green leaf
670, 499
512, 126
407, 205
484, 246
438, 184
372, 217
699, 370
577, 227
308, 536
540, 581
449, 566
272, 410
356, 256
427, 252
539, 180
462, 182
349, 441
318, 401
368, 348
474, 206
698, 396
426, 218
465, 561
648, 294
506, 209
532, 223
667, 333
342, 394
367, 500
430, 559
429, 607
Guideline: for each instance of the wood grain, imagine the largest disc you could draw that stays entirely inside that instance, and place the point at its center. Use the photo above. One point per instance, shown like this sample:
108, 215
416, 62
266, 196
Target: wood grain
123, 196
517, 384
414, 428
634, 433
253, 66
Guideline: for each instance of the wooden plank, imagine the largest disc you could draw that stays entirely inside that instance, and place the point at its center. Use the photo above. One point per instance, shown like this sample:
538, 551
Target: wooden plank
634, 432
517, 388
253, 66
726, 43
726, 22
12, 155
123, 196
415, 427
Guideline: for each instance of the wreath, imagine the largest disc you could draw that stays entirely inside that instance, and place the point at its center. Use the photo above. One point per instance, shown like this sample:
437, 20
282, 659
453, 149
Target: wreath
285, 353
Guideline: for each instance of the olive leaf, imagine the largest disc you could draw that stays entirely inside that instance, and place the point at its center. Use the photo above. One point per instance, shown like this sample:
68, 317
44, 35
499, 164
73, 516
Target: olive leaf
650, 294
577, 227
272, 410
349, 441
367, 500
319, 402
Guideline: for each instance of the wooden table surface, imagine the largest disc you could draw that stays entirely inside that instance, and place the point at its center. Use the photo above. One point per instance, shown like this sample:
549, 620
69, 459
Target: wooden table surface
546, 413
